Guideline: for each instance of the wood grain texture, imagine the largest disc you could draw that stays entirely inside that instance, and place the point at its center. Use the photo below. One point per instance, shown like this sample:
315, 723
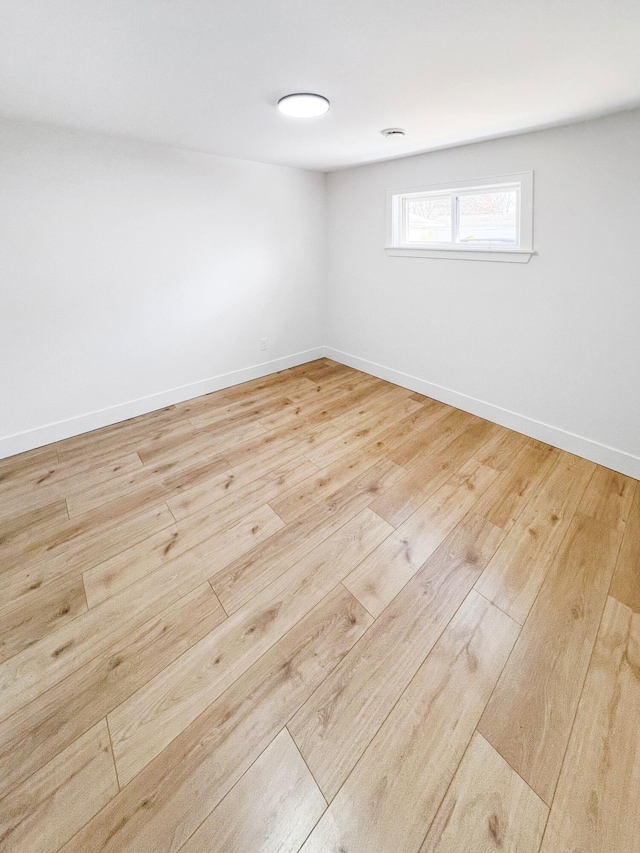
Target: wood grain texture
37, 732
508, 495
514, 576
487, 809
206, 544
45, 811
595, 809
381, 576
501, 449
230, 725
608, 497
80, 544
248, 485
273, 808
541, 684
393, 794
143, 725
28, 674
335, 725
398, 503
238, 582
625, 585
24, 623
163, 806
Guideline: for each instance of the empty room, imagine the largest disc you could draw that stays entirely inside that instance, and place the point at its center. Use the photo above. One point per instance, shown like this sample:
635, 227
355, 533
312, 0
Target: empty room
319, 426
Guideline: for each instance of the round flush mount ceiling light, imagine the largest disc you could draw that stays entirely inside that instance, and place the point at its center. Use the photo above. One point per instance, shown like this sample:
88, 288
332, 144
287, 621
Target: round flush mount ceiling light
303, 105
393, 132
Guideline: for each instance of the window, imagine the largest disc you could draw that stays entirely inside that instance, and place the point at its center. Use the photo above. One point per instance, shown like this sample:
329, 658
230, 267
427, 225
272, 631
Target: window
489, 219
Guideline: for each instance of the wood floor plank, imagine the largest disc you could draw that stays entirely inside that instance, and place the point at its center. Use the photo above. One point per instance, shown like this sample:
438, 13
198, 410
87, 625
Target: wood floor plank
143, 725
302, 497
242, 411
487, 809
37, 732
15, 467
595, 809
368, 411
335, 725
625, 585
382, 575
272, 809
310, 391
161, 807
440, 426
36, 544
238, 582
112, 616
47, 809
608, 497
24, 623
398, 432
60, 480
199, 538
340, 397
501, 449
505, 499
195, 473
245, 484
199, 440
68, 554
276, 385
530, 715
399, 502
393, 794
124, 436
514, 576
349, 440
165, 474
34, 670
304, 435
14, 526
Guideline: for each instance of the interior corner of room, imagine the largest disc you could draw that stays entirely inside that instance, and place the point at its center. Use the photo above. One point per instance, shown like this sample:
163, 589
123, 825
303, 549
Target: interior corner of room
135, 275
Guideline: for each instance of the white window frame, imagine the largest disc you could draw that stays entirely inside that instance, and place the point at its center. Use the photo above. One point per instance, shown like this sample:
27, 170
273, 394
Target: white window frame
398, 246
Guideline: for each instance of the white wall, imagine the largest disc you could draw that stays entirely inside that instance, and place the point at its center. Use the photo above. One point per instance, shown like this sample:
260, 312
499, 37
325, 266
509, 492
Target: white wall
128, 271
133, 275
551, 348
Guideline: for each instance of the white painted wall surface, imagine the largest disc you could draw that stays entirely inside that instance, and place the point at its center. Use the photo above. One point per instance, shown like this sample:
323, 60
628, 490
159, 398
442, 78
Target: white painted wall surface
551, 348
129, 271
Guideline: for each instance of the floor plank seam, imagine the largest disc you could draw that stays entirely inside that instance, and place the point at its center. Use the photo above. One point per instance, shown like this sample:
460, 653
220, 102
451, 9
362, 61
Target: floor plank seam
305, 764
175, 520
113, 755
229, 686
347, 420
232, 788
497, 606
400, 695
217, 599
584, 681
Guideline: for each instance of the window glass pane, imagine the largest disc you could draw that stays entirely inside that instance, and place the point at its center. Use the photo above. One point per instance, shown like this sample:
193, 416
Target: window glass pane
429, 219
487, 216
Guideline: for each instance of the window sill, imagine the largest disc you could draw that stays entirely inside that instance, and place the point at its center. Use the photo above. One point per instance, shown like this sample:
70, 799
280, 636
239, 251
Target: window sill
511, 256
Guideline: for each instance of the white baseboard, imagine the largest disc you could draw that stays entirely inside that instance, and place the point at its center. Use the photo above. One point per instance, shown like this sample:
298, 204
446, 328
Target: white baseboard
610, 457
47, 434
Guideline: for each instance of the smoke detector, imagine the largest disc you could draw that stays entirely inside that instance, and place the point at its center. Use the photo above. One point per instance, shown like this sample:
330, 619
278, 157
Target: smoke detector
393, 132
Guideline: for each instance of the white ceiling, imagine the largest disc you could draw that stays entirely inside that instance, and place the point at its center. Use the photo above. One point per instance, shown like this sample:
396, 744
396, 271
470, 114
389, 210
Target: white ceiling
206, 74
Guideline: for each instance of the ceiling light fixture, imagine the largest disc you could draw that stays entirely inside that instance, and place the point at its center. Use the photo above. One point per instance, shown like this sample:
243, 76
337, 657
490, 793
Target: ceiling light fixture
303, 105
393, 132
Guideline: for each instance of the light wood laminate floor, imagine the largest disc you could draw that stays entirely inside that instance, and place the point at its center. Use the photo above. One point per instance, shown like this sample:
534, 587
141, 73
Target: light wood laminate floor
317, 612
